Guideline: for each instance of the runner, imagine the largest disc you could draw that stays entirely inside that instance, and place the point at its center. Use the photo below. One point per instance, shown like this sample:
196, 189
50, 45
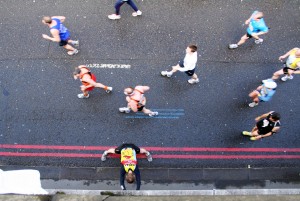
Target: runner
129, 168
136, 100
88, 81
257, 27
291, 66
267, 125
263, 93
187, 65
60, 33
118, 5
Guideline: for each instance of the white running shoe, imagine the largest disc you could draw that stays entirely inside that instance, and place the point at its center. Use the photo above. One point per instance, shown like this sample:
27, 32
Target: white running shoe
83, 96
114, 17
75, 51
287, 77
109, 89
253, 104
166, 73
76, 43
193, 81
124, 109
258, 41
137, 13
233, 46
152, 114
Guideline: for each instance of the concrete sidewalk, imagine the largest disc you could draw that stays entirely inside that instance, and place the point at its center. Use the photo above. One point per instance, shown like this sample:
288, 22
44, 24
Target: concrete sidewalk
149, 198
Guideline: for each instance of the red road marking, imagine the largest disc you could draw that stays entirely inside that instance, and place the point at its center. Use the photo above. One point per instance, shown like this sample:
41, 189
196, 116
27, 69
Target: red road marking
177, 149
77, 155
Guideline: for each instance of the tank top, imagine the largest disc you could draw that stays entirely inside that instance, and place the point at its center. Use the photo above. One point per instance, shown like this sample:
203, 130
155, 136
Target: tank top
128, 159
292, 60
63, 31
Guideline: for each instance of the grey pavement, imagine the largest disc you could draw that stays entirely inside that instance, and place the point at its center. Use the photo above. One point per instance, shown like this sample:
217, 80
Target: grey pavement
148, 198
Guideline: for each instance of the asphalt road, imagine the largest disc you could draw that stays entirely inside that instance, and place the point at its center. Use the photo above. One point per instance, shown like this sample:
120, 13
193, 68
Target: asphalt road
39, 104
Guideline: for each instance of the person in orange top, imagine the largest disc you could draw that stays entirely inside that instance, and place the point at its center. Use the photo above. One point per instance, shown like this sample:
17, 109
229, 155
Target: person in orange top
88, 81
136, 100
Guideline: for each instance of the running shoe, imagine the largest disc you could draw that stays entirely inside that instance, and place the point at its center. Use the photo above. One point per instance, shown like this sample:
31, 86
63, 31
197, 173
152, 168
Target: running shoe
152, 114
114, 17
253, 104
258, 41
193, 81
233, 46
76, 43
109, 89
287, 77
75, 51
166, 73
124, 109
253, 138
83, 96
246, 133
137, 13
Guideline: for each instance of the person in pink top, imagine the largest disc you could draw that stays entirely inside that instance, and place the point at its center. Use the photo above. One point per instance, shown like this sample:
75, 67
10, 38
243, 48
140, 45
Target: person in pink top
136, 100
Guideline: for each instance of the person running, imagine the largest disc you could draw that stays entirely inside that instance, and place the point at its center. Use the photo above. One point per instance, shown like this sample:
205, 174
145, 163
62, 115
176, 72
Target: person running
119, 3
88, 81
257, 27
60, 33
291, 66
129, 168
136, 100
187, 65
267, 125
263, 93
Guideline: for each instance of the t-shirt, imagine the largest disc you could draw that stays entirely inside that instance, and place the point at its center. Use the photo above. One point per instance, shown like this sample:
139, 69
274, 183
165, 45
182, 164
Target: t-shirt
266, 125
189, 62
257, 26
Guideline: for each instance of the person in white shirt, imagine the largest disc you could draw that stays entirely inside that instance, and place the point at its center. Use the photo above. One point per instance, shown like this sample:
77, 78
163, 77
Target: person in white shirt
187, 65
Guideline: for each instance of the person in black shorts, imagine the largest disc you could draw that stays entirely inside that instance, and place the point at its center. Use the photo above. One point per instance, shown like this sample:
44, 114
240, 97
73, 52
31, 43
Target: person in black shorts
266, 125
129, 168
187, 65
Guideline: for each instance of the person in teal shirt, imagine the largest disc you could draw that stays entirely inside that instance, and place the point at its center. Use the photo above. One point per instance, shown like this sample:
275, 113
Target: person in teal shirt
256, 28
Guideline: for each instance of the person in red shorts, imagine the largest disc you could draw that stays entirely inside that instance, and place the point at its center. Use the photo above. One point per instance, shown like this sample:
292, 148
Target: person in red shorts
88, 81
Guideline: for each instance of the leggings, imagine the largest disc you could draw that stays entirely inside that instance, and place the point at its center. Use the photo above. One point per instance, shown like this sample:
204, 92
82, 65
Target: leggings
119, 3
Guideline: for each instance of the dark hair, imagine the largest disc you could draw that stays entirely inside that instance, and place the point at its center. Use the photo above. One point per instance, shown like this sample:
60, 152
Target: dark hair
193, 48
275, 116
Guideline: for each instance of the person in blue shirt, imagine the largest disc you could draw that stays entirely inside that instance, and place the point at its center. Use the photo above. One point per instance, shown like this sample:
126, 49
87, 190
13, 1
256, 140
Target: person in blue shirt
263, 93
257, 27
60, 33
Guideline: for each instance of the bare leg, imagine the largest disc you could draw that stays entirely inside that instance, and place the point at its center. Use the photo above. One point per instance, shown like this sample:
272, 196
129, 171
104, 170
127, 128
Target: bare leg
69, 47
243, 40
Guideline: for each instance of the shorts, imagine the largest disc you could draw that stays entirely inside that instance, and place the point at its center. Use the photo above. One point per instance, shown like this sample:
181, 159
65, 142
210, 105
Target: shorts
286, 69
127, 145
248, 35
189, 72
140, 108
89, 89
63, 42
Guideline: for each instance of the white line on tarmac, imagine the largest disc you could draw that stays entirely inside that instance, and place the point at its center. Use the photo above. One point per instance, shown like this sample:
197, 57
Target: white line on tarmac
110, 66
